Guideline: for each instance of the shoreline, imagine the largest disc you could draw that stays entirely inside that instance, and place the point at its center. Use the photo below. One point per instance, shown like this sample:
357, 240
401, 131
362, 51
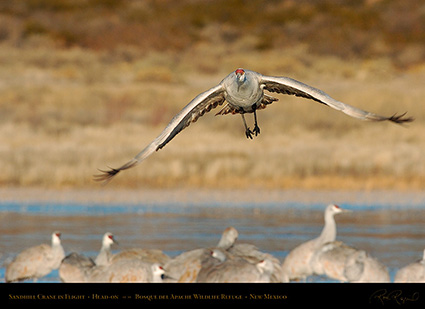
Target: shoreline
210, 196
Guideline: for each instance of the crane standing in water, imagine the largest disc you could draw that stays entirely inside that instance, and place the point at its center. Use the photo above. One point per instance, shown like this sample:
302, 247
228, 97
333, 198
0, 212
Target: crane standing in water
105, 254
185, 267
36, 262
414, 272
224, 267
127, 271
76, 267
297, 263
339, 261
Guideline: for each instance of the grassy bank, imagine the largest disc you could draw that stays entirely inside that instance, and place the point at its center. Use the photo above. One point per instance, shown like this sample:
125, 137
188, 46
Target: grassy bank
58, 126
70, 104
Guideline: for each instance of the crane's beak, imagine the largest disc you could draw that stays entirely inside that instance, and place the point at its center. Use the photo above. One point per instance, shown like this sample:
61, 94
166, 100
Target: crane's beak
343, 210
240, 77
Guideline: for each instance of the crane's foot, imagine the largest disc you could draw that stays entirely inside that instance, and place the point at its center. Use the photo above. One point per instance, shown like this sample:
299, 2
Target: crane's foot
249, 133
256, 130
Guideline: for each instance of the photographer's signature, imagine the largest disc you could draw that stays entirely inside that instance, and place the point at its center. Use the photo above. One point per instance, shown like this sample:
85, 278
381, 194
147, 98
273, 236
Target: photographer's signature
385, 296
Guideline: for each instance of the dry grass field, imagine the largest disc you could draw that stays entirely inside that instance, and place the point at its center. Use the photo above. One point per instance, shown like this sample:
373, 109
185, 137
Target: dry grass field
87, 84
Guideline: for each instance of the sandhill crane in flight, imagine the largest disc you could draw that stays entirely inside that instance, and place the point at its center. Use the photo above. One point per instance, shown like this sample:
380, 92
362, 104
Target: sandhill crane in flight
243, 92
36, 262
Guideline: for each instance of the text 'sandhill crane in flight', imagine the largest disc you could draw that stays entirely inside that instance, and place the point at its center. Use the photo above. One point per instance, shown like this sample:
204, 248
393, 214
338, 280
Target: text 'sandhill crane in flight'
243, 92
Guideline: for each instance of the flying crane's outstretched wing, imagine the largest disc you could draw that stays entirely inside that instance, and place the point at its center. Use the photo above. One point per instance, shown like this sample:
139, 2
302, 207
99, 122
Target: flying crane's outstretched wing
286, 85
200, 105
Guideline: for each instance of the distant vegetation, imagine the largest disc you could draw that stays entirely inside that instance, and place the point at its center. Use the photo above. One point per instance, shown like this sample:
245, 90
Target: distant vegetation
345, 28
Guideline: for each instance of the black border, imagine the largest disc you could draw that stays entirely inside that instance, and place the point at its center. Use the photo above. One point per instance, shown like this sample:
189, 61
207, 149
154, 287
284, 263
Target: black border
287, 294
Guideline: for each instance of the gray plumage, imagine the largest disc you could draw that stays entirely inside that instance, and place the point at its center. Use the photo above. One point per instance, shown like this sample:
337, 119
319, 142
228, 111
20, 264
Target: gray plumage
105, 254
127, 271
362, 267
75, 268
414, 272
36, 262
145, 255
344, 263
221, 267
296, 264
185, 267
330, 260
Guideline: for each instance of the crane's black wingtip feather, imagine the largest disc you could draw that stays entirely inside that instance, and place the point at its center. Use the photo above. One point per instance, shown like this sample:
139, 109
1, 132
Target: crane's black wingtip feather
401, 119
106, 176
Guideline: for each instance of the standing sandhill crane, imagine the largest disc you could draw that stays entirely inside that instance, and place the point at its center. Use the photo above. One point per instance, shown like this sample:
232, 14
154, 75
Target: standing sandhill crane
361, 267
330, 260
75, 268
414, 272
339, 261
105, 255
36, 262
227, 268
252, 254
185, 267
297, 263
208, 261
145, 255
244, 92
127, 271
228, 238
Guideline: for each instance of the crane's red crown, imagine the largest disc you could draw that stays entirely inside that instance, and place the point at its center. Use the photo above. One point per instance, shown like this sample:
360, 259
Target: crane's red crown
239, 71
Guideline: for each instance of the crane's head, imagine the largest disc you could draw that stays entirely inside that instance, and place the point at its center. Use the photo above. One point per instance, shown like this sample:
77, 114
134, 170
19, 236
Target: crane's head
240, 77
240, 73
108, 240
335, 209
157, 269
56, 237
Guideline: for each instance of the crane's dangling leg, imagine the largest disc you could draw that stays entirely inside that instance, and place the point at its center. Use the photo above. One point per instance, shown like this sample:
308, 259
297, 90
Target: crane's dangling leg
248, 131
256, 127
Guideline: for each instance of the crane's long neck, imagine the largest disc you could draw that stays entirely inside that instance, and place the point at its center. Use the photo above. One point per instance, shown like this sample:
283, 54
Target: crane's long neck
329, 230
56, 245
104, 255
157, 278
225, 243
157, 274
228, 239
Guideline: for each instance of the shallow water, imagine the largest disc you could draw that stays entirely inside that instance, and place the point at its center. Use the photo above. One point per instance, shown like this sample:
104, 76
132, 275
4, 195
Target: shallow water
391, 231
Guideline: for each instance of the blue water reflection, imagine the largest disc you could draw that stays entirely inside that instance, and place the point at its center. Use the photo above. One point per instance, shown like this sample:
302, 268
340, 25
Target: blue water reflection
393, 233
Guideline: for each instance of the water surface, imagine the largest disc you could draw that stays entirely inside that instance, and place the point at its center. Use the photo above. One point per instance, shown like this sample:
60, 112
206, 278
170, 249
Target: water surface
391, 230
